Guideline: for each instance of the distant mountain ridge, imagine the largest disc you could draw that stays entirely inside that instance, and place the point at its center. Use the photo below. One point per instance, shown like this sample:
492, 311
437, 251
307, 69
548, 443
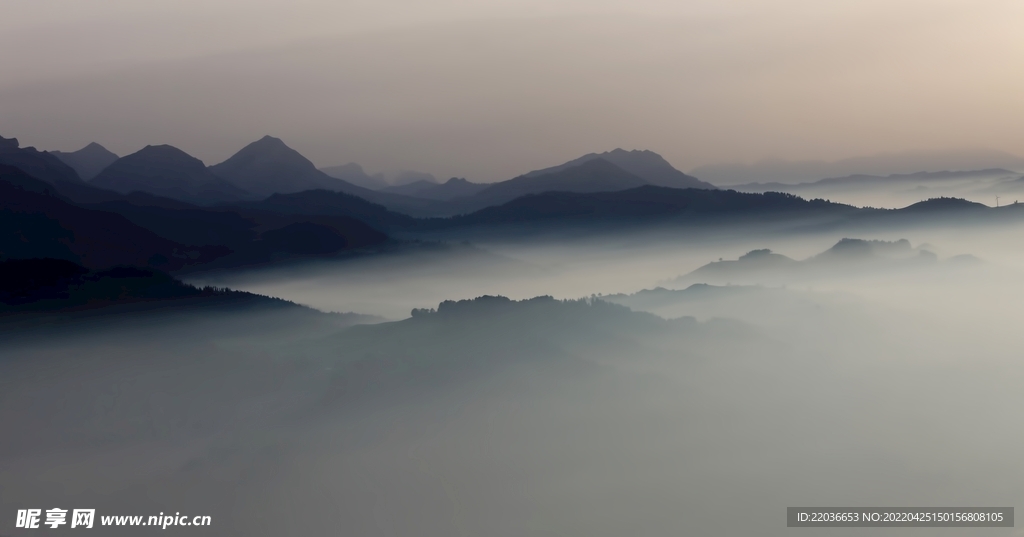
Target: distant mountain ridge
860, 180
593, 175
451, 189
791, 172
88, 161
268, 166
354, 173
595, 172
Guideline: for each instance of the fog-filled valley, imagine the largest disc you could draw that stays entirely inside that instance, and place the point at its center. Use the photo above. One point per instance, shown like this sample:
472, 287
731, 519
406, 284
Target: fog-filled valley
655, 380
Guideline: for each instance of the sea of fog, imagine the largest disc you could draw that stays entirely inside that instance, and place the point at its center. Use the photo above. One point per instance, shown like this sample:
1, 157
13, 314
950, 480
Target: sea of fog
684, 410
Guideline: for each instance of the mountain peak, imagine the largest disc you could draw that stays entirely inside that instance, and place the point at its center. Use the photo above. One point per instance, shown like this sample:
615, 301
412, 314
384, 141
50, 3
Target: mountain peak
643, 163
269, 148
165, 154
269, 166
9, 143
270, 141
88, 161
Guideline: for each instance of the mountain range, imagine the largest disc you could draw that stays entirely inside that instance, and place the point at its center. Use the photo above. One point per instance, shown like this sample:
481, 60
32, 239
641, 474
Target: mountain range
127, 215
167, 171
268, 166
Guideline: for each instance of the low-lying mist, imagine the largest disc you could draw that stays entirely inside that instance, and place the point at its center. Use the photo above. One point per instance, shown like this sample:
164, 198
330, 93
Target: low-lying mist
604, 396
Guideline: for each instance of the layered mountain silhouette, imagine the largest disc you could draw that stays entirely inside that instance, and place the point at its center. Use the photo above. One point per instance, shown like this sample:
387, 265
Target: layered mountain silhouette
38, 164
268, 166
647, 165
595, 172
88, 161
36, 222
99, 228
126, 215
167, 171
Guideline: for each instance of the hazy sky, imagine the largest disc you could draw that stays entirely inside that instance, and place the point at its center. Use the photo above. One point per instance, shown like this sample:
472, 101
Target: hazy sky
488, 89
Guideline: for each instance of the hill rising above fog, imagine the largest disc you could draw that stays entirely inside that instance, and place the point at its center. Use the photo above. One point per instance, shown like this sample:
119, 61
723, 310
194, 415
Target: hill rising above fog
848, 257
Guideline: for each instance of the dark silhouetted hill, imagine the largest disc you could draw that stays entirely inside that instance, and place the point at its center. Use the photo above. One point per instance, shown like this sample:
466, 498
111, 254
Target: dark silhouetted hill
762, 261
167, 171
957, 205
88, 161
51, 285
647, 165
38, 164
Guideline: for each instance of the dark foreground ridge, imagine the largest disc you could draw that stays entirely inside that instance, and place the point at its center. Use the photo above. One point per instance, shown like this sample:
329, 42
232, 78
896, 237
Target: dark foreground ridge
36, 285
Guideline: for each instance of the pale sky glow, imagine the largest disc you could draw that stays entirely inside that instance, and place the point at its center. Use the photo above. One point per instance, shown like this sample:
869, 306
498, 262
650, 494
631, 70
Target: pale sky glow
488, 90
